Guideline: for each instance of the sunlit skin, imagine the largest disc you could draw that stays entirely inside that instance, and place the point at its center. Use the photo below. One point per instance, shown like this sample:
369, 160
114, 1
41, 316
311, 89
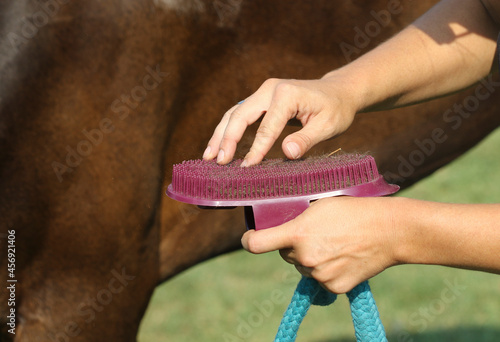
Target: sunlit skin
343, 241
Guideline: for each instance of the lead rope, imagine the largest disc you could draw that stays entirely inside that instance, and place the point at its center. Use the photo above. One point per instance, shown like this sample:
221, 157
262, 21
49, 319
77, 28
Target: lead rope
365, 317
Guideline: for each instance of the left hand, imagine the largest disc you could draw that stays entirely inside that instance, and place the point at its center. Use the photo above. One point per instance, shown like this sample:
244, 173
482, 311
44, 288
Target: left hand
325, 107
338, 241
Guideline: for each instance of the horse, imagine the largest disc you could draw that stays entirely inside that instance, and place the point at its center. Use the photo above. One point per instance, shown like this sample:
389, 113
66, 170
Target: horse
99, 99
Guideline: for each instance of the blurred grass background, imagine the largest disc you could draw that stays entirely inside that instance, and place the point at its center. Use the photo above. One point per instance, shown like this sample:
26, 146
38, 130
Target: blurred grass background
241, 297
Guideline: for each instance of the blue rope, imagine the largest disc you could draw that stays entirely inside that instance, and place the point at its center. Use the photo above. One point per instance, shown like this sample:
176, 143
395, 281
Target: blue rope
365, 317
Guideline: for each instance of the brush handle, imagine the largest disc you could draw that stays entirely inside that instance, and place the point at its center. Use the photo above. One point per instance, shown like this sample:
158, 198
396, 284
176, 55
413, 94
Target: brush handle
367, 324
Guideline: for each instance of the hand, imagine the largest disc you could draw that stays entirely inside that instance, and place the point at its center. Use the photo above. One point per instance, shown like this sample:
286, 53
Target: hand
322, 106
338, 241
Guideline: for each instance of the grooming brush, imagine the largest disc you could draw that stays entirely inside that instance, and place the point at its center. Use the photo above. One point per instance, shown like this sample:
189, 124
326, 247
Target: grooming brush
276, 191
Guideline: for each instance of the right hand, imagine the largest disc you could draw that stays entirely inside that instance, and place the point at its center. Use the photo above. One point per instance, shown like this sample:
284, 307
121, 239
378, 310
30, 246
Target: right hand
324, 107
339, 241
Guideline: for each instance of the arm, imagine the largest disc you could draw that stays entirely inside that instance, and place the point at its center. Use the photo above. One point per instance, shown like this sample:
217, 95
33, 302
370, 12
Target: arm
447, 49
344, 241
456, 235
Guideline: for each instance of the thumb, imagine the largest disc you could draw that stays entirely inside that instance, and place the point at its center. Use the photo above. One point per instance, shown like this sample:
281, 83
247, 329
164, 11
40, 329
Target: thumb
297, 144
267, 240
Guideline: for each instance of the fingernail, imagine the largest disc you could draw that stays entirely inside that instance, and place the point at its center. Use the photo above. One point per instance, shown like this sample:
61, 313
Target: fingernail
245, 162
207, 152
220, 156
293, 150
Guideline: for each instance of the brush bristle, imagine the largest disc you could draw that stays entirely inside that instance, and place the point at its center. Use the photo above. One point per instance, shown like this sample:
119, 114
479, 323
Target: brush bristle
272, 178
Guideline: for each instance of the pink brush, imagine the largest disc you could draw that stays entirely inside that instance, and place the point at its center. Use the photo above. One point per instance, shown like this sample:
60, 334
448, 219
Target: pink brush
276, 191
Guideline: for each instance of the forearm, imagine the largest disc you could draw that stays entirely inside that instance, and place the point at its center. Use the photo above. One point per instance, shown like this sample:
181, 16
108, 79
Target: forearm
449, 48
456, 235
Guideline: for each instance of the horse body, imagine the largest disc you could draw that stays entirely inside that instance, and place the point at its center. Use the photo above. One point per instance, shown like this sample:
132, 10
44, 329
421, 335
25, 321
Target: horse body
98, 100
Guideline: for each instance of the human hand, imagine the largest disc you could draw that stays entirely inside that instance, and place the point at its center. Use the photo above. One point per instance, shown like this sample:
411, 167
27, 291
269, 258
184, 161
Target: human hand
325, 107
339, 241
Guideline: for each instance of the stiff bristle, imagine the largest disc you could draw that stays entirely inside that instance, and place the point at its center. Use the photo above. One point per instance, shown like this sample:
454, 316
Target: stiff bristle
272, 178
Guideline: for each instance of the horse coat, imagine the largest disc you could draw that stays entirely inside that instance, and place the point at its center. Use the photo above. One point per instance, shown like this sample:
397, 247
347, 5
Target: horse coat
99, 99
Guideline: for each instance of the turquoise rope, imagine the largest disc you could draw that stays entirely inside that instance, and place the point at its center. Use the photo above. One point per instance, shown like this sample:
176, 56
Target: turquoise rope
367, 324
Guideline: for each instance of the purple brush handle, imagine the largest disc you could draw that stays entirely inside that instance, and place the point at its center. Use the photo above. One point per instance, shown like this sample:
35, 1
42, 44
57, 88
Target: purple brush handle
271, 212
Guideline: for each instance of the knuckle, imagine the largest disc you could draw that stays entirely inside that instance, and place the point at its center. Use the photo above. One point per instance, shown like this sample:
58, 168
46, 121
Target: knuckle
228, 113
321, 276
284, 89
270, 82
342, 288
227, 141
307, 260
238, 115
338, 286
265, 132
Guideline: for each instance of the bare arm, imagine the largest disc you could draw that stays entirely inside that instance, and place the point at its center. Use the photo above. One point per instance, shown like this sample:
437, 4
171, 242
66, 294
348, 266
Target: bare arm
449, 48
457, 235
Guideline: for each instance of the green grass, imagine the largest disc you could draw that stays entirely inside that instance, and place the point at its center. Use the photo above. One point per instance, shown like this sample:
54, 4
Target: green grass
241, 297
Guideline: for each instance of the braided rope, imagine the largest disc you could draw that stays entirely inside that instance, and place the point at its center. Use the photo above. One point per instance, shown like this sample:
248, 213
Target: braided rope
308, 292
365, 317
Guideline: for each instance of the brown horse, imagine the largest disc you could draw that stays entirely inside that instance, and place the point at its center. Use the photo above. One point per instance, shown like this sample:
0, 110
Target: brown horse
98, 99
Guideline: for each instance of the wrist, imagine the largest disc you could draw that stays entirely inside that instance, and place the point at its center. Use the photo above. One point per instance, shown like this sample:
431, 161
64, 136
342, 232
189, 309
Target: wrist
354, 89
405, 234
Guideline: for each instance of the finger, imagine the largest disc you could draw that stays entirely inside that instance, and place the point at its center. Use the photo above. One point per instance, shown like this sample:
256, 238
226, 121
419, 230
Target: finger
267, 240
297, 144
243, 116
213, 144
288, 255
267, 134
282, 109
305, 271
